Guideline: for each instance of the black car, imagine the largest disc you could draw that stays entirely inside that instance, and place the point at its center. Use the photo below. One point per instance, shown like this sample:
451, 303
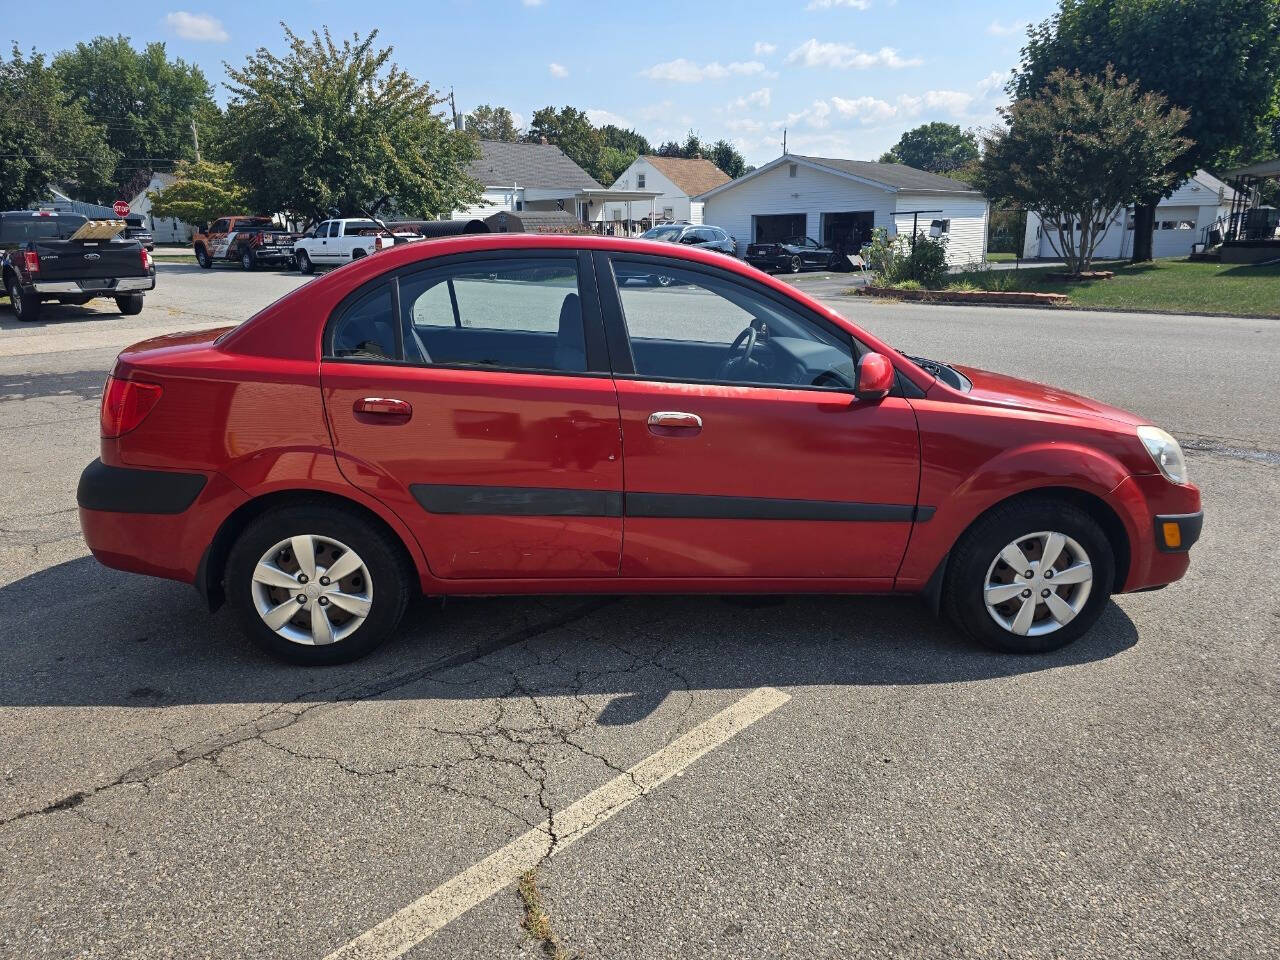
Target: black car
693, 235
136, 229
792, 255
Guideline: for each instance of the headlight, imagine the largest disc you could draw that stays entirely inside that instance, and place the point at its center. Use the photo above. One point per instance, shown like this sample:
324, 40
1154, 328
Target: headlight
1165, 452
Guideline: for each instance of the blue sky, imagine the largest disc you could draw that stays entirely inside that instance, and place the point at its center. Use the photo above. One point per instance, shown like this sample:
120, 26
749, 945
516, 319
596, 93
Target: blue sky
845, 77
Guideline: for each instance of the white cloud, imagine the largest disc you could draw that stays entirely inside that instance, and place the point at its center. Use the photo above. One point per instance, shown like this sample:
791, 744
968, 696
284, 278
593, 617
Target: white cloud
828, 4
995, 80
757, 98
558, 70
600, 117
816, 115
954, 102
517, 120
197, 26
763, 49
867, 111
745, 125
842, 56
533, 3
998, 29
864, 109
681, 70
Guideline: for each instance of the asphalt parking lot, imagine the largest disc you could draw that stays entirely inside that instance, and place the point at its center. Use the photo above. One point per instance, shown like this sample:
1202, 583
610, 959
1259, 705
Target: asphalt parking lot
687, 777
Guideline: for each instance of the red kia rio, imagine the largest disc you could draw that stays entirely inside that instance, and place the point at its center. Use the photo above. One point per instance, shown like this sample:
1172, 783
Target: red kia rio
512, 414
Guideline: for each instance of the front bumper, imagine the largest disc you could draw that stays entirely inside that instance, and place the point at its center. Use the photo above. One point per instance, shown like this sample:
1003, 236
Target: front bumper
96, 287
1145, 504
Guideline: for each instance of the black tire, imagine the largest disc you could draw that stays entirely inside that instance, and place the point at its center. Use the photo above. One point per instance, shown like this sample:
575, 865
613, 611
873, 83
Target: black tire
247, 260
26, 306
962, 592
203, 258
357, 255
382, 556
130, 304
795, 265
304, 263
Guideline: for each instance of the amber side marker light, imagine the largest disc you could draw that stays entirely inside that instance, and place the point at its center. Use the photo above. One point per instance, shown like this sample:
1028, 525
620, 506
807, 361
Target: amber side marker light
1172, 534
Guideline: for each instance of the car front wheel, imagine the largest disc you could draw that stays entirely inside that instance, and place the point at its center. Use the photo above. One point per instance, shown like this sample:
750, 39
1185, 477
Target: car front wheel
1030, 576
203, 258
796, 264
304, 262
317, 585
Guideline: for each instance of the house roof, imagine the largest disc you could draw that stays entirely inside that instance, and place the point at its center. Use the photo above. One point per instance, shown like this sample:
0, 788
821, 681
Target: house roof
693, 176
894, 177
529, 165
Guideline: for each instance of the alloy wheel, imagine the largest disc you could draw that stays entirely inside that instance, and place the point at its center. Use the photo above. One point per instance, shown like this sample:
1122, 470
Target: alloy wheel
312, 590
1038, 583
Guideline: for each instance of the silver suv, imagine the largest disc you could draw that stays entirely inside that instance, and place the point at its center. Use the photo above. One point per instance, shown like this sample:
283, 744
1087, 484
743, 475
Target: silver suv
693, 235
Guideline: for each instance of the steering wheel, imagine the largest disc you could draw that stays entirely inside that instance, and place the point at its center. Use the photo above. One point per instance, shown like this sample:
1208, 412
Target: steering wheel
747, 336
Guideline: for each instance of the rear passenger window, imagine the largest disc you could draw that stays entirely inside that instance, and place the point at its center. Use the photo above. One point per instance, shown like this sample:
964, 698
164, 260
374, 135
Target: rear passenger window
367, 328
523, 314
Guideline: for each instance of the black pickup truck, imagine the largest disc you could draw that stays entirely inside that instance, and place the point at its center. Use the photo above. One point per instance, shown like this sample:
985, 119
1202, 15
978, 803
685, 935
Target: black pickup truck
58, 256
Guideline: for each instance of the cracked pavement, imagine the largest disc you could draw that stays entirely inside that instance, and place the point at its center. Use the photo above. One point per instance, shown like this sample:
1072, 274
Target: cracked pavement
167, 791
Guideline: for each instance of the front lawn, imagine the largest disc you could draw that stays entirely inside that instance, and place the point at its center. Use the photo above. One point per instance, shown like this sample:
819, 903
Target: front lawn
1165, 286
1001, 257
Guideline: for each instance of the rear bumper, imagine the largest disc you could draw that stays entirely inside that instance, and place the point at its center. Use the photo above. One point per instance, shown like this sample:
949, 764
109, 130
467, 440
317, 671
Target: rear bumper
768, 263
265, 254
156, 522
95, 287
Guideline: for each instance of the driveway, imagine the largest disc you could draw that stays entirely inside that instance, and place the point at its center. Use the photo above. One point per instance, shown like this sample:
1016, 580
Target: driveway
684, 776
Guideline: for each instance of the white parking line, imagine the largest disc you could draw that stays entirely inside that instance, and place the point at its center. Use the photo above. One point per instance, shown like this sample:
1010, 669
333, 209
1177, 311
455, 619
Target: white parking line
408, 927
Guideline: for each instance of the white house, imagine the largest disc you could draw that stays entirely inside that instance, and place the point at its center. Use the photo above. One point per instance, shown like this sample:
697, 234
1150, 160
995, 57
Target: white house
1182, 219
841, 201
164, 229
538, 177
676, 179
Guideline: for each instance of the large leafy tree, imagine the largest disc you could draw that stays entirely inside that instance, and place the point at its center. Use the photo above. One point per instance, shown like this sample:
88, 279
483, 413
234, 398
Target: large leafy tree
1218, 59
936, 147
145, 102
572, 131
328, 126
203, 192
45, 136
627, 141
726, 156
492, 123
1078, 151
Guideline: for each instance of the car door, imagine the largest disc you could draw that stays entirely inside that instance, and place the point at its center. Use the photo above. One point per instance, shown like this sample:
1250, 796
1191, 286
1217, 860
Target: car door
471, 394
750, 463
327, 251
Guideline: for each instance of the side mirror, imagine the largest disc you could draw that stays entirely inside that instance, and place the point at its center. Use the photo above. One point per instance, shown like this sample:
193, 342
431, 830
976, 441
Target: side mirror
875, 377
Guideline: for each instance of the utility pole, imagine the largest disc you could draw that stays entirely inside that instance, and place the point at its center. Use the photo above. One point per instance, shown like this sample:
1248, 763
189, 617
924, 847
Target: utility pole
195, 138
457, 124
784, 141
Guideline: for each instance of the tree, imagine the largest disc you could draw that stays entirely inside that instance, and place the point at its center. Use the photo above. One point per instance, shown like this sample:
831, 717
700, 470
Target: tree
45, 136
327, 126
670, 149
1218, 59
628, 141
492, 123
1078, 152
726, 156
145, 102
203, 192
570, 129
935, 147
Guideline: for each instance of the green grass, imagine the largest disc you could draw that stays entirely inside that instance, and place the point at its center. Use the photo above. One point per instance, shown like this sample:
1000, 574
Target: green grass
1001, 257
1165, 286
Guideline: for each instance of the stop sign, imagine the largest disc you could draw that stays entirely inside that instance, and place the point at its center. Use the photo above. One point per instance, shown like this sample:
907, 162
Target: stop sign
121, 208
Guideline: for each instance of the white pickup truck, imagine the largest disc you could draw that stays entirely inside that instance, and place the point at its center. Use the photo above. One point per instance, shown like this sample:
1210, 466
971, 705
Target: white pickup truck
335, 242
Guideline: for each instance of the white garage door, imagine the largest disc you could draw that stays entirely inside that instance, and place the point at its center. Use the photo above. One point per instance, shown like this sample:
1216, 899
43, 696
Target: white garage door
1175, 231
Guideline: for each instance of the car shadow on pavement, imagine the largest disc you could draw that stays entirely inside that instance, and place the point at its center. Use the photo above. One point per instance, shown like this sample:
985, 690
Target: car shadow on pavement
53, 313
78, 634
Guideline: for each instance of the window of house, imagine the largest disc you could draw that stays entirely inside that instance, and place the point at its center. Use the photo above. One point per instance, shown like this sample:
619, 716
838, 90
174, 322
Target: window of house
639, 181
511, 313
687, 330
668, 213
1186, 224
1168, 224
942, 226
791, 169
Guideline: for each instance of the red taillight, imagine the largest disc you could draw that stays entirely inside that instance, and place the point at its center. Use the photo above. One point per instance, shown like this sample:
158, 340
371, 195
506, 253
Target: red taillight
126, 403
379, 243
146, 259
31, 260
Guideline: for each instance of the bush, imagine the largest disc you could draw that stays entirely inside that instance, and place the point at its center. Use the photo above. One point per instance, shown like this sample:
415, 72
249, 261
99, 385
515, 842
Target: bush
896, 263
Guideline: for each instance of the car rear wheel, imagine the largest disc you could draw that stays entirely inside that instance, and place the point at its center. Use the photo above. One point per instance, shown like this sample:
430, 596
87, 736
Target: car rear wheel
203, 259
130, 304
26, 307
304, 263
1029, 576
316, 585
796, 264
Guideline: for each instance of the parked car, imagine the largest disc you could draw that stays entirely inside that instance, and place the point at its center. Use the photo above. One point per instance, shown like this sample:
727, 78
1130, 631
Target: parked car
136, 229
792, 256
335, 242
64, 257
481, 414
249, 241
693, 235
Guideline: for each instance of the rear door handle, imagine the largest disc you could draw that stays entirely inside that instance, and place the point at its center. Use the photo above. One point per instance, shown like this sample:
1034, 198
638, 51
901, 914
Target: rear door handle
674, 423
384, 407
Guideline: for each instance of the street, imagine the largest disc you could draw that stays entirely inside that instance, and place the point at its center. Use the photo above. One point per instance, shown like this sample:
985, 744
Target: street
687, 776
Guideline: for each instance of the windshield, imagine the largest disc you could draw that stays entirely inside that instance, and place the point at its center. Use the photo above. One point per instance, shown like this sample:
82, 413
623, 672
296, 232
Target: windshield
22, 229
661, 233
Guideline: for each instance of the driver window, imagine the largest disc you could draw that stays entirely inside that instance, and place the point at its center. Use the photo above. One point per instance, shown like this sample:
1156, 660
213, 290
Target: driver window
690, 326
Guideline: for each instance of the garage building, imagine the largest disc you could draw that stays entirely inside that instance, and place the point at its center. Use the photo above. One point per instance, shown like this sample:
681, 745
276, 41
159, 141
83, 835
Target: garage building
839, 202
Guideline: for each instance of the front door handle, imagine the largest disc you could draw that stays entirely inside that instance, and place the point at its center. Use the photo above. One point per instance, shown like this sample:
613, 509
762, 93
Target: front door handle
674, 423
387, 407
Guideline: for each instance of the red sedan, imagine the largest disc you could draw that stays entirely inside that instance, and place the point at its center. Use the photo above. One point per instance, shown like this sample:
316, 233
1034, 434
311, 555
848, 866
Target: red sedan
526, 414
